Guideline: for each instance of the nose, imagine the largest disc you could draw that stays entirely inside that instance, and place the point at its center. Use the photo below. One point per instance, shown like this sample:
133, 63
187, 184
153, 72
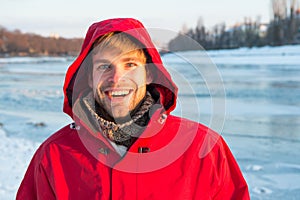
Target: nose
116, 74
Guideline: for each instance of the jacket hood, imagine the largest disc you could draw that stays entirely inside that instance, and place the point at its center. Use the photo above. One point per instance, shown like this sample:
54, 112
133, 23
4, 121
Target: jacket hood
76, 81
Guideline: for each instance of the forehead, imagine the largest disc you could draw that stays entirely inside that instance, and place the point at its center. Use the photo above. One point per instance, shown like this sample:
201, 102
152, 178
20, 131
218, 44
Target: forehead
113, 55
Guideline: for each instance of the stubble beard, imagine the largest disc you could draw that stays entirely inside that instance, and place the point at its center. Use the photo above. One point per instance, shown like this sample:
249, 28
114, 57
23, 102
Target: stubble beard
120, 112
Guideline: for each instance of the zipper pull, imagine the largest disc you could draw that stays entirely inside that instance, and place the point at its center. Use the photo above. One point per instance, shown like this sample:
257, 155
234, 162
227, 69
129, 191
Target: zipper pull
143, 149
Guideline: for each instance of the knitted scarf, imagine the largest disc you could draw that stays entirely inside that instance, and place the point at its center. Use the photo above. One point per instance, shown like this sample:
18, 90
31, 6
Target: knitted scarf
125, 133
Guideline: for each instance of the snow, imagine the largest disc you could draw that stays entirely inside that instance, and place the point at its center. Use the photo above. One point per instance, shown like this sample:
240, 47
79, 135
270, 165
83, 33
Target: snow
15, 157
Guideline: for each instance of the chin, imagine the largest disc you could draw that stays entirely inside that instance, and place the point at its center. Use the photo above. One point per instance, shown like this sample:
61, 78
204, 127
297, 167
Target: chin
121, 115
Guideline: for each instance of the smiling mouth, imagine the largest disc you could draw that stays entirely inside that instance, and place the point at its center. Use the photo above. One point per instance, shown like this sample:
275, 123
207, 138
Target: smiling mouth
118, 93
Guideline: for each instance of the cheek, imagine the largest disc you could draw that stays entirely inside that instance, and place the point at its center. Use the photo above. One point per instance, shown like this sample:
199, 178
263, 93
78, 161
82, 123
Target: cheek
138, 76
97, 79
96, 86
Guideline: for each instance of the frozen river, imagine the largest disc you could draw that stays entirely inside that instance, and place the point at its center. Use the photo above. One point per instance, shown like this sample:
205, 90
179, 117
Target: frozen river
256, 94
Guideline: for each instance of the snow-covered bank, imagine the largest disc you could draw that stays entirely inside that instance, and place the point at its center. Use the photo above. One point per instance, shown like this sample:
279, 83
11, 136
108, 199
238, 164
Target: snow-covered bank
283, 55
42, 59
15, 156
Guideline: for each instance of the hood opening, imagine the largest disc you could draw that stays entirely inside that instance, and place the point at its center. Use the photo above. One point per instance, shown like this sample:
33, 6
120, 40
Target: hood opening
76, 80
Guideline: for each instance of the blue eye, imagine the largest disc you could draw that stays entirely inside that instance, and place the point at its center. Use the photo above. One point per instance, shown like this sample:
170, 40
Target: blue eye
131, 65
103, 67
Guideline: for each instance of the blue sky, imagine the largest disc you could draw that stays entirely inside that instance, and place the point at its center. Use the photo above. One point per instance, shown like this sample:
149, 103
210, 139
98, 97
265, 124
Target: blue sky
71, 18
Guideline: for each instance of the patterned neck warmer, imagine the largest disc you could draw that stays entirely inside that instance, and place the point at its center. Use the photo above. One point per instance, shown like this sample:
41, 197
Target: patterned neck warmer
125, 133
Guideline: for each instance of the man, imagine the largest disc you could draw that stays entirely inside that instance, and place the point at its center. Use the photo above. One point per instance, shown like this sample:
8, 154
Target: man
124, 143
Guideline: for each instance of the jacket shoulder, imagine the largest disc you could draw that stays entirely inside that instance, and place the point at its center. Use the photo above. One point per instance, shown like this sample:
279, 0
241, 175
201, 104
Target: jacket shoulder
36, 171
63, 136
200, 137
187, 125
60, 134
213, 161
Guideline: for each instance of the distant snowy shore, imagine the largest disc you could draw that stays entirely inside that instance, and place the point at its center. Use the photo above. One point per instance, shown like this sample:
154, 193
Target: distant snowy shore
258, 55
27, 59
287, 55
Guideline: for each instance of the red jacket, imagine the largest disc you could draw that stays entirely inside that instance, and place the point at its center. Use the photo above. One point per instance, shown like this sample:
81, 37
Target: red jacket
174, 158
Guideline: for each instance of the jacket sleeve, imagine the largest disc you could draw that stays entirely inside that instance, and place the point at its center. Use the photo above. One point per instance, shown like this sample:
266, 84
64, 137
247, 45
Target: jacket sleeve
35, 184
233, 185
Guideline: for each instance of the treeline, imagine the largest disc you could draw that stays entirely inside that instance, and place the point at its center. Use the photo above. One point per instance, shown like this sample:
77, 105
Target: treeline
16, 43
283, 29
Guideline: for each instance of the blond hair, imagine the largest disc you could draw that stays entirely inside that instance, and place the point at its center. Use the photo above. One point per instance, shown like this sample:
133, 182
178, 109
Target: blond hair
121, 42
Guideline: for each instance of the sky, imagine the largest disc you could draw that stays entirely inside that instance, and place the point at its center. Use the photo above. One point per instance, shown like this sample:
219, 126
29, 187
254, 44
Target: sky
71, 18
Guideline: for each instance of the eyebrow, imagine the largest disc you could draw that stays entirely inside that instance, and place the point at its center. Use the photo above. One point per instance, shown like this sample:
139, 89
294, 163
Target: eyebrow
126, 59
136, 59
101, 60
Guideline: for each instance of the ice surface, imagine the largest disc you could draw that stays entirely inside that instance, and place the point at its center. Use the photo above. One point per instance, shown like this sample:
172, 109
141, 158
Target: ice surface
261, 125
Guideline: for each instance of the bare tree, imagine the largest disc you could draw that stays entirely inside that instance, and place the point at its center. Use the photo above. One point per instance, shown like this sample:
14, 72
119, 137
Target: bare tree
276, 32
292, 25
279, 8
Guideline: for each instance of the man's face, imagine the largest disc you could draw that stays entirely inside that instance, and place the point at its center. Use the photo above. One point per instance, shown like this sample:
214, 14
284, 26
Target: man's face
118, 81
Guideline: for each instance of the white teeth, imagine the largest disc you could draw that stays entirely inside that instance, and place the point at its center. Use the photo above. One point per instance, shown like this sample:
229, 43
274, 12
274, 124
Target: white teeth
120, 93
